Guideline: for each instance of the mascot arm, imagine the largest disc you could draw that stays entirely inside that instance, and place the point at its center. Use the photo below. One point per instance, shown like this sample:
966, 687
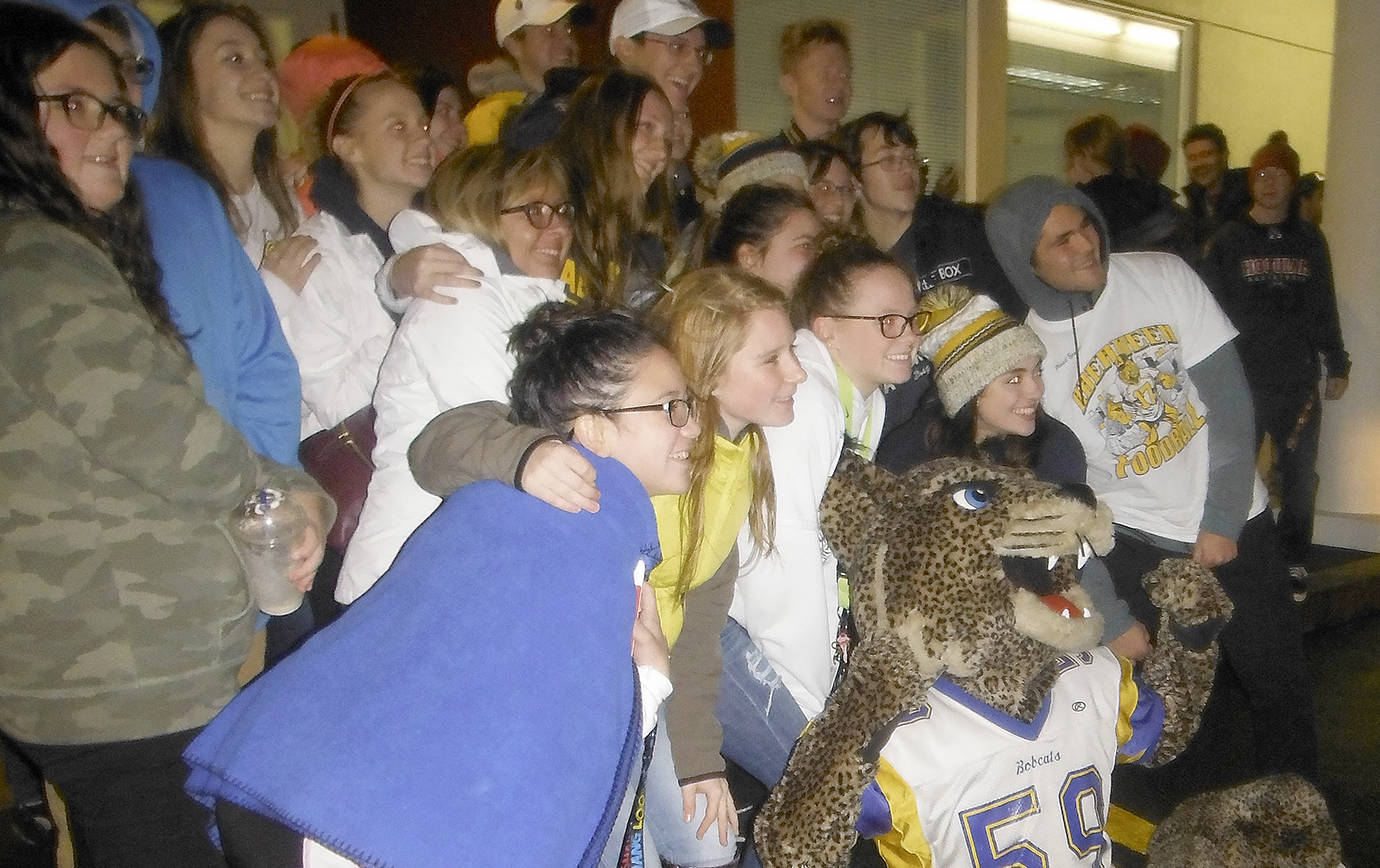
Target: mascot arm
1183, 662
809, 821
891, 817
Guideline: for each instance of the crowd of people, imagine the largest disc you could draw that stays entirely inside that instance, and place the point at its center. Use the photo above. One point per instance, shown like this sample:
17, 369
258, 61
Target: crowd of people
558, 383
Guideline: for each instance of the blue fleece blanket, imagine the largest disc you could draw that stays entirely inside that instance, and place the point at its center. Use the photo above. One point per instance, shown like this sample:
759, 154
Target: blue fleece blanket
477, 706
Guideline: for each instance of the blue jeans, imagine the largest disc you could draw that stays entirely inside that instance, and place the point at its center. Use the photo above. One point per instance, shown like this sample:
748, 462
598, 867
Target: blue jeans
673, 838
760, 719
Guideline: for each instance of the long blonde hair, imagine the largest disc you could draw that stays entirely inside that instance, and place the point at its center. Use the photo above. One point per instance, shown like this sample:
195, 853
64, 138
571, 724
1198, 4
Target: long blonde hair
704, 321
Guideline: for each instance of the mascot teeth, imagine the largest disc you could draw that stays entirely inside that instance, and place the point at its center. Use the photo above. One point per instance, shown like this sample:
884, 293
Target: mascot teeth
1053, 562
1084, 552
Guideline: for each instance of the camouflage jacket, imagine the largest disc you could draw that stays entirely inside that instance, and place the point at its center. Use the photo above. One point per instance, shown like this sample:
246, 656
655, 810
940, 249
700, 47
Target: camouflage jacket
123, 607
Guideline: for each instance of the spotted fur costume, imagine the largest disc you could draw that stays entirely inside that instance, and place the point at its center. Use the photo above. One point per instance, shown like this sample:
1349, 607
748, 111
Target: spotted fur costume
956, 570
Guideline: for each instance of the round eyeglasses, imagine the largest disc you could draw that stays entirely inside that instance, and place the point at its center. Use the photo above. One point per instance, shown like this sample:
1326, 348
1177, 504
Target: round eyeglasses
540, 214
677, 410
86, 112
893, 325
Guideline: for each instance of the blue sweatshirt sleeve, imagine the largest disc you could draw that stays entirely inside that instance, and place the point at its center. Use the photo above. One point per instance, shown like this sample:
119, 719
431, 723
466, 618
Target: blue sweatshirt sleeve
219, 303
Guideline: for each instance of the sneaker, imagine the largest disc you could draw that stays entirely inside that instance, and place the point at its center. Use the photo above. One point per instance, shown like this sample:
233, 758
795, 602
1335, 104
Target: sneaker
1298, 582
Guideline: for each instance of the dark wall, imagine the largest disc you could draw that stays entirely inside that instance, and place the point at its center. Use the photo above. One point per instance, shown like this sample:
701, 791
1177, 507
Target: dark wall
455, 34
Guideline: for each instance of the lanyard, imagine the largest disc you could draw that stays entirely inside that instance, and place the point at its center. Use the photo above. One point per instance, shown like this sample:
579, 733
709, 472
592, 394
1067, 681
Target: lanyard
846, 390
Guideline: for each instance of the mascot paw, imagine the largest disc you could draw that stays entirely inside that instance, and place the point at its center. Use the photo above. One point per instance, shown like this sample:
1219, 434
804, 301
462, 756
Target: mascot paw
1192, 599
1275, 822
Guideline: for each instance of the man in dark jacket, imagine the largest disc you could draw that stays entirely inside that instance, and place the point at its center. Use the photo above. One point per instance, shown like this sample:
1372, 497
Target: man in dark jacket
1271, 272
1215, 193
935, 240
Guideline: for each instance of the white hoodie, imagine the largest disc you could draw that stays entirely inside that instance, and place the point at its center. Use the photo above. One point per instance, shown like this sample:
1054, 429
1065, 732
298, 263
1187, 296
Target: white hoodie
788, 600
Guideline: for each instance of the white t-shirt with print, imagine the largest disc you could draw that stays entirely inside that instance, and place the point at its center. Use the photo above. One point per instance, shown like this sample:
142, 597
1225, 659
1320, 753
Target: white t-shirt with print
1118, 376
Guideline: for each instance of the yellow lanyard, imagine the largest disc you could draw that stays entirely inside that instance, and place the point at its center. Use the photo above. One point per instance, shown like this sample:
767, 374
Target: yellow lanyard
864, 441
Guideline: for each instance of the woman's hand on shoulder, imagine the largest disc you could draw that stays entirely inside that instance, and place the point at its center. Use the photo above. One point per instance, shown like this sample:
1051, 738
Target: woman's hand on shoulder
559, 475
292, 260
420, 271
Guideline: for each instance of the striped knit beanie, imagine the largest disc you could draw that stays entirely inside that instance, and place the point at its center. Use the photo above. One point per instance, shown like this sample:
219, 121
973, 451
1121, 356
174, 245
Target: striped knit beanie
971, 342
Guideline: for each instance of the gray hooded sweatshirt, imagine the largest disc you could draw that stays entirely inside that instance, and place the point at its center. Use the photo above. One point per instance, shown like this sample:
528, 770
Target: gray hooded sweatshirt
1014, 223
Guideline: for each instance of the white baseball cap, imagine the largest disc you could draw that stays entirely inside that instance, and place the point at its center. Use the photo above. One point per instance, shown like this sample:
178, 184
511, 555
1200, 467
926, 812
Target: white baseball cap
666, 18
510, 15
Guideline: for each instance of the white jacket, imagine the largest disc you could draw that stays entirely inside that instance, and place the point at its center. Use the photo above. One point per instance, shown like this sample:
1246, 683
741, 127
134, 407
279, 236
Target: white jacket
443, 356
336, 327
788, 601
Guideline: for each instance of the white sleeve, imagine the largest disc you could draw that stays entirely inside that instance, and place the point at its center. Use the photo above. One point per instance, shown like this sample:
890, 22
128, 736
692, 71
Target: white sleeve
655, 689
383, 288
788, 600
339, 334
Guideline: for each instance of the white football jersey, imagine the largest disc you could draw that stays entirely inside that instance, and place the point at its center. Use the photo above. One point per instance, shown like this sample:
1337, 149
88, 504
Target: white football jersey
961, 783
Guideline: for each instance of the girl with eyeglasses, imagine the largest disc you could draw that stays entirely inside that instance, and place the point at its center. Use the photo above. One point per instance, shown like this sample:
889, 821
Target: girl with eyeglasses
857, 317
733, 338
831, 187
509, 216
127, 614
479, 706
219, 115
614, 141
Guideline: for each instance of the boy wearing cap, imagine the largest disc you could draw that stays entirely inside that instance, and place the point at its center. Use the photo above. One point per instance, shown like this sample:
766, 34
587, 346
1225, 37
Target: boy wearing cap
1271, 272
536, 36
1141, 366
671, 42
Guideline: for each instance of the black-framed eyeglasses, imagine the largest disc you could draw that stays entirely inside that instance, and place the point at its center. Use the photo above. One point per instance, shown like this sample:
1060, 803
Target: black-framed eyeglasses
680, 48
677, 410
540, 214
86, 112
893, 325
136, 68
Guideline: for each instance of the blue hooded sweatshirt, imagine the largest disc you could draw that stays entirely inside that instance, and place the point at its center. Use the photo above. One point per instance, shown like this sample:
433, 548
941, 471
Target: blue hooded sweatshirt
215, 294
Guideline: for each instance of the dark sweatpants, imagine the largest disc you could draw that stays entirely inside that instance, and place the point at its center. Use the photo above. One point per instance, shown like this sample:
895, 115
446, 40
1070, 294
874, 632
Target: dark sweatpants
126, 802
1262, 645
1293, 418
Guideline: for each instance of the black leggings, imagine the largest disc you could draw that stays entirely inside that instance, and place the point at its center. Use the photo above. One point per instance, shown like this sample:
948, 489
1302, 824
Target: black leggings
252, 840
126, 803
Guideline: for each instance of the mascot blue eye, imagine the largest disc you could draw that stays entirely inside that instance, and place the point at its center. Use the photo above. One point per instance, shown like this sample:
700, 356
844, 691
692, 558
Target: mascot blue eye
974, 496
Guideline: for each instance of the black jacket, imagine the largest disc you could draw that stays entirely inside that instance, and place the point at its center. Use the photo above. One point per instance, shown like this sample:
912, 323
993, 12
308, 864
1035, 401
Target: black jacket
1206, 216
945, 244
1275, 283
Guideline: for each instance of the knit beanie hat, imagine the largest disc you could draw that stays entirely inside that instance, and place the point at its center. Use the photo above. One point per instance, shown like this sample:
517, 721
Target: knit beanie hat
1278, 155
725, 163
971, 342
